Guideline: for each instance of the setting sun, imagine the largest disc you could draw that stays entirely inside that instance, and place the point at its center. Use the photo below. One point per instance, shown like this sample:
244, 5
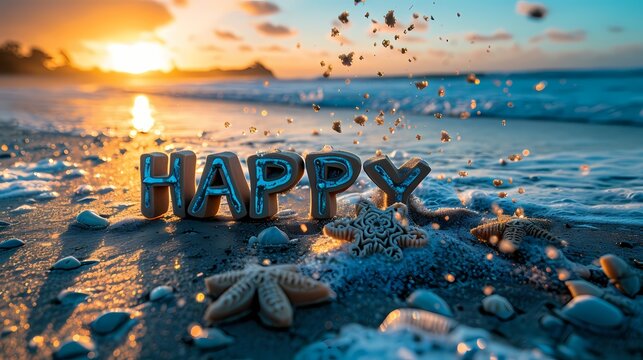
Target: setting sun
138, 57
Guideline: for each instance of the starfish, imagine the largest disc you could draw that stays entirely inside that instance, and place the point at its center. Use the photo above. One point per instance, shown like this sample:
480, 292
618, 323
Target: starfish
378, 231
507, 232
277, 287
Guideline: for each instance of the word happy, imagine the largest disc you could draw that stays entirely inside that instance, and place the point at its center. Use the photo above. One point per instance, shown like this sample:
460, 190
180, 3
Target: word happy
329, 173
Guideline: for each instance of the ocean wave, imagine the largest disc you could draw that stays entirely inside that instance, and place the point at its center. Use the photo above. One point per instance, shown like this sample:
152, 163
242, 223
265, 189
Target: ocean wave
551, 96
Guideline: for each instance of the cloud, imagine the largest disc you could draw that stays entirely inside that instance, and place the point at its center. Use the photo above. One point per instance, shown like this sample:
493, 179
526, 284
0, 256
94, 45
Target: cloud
615, 29
180, 2
559, 36
499, 35
212, 48
274, 30
342, 40
227, 35
245, 48
66, 23
259, 7
531, 10
273, 48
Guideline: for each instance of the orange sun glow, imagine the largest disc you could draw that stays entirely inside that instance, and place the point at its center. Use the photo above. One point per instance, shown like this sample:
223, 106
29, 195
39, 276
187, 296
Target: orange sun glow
137, 58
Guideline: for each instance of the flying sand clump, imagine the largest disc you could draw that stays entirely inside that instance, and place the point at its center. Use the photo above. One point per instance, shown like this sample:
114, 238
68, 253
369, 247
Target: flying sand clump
347, 59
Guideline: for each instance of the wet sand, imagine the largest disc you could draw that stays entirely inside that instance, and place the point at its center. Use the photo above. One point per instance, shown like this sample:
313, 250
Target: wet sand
136, 257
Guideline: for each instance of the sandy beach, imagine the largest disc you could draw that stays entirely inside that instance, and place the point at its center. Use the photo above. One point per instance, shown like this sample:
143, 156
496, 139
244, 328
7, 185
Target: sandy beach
136, 255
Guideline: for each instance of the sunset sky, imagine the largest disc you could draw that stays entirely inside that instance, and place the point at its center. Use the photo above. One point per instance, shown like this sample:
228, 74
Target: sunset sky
136, 36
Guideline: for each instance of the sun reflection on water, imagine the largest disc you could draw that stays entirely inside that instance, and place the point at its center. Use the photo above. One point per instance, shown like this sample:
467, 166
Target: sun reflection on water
141, 111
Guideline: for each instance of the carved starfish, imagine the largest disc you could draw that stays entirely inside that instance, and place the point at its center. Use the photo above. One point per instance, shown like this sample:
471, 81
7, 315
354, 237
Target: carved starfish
278, 287
378, 231
507, 232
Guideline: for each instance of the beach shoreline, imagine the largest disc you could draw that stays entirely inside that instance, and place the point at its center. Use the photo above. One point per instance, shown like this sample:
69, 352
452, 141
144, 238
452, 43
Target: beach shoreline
136, 255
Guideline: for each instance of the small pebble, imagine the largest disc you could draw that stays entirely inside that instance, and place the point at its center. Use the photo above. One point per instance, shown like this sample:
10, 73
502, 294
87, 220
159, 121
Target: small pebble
109, 322
67, 263
89, 219
161, 292
74, 349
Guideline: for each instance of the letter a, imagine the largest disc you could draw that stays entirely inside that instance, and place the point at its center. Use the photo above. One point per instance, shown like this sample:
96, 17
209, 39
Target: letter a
222, 176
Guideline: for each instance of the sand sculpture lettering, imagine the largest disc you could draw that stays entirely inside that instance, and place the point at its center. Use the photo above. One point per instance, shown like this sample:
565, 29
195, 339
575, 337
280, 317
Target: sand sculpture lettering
271, 173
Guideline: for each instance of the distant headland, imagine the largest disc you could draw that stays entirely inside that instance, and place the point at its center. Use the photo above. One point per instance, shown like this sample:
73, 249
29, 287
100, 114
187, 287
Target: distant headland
38, 63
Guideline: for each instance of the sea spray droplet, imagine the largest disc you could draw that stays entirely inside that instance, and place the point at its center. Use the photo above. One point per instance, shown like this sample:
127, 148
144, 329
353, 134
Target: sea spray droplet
73, 349
498, 306
67, 263
429, 301
109, 321
161, 292
11, 243
89, 219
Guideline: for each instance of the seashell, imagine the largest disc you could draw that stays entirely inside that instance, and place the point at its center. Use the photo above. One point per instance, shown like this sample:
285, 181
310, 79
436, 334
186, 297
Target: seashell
581, 287
419, 319
71, 349
70, 297
22, 209
67, 263
210, 338
592, 313
89, 219
498, 306
86, 199
84, 190
621, 274
11, 243
49, 195
271, 236
109, 321
429, 301
554, 325
161, 292
105, 189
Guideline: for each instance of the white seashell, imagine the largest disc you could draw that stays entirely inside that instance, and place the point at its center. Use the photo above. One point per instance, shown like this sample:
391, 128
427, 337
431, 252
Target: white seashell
429, 301
84, 190
161, 292
419, 319
582, 287
73, 349
109, 321
621, 274
70, 297
11, 243
67, 263
590, 312
211, 338
271, 236
86, 199
89, 219
49, 195
498, 306
22, 209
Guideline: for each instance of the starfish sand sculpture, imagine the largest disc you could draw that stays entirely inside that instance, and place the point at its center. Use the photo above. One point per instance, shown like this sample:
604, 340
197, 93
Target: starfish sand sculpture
507, 232
378, 231
278, 288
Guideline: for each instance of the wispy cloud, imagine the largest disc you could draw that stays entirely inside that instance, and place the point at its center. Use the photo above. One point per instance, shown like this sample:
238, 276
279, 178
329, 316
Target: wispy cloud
560, 36
273, 48
499, 35
227, 35
259, 7
271, 29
